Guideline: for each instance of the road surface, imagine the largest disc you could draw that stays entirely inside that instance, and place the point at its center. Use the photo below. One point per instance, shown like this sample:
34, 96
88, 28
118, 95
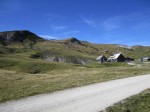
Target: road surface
91, 98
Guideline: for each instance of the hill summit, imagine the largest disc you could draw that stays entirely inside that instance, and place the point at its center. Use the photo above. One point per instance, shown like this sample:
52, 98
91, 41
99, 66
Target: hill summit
73, 40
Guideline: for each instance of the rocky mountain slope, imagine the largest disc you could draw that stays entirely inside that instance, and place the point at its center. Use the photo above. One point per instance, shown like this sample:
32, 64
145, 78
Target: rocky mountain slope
18, 36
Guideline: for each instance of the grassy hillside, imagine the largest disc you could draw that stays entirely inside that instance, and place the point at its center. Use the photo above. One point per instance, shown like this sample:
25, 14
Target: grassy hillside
93, 50
133, 52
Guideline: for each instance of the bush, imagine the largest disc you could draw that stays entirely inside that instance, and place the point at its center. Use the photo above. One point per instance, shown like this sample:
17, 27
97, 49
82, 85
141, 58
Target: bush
36, 56
34, 69
4, 43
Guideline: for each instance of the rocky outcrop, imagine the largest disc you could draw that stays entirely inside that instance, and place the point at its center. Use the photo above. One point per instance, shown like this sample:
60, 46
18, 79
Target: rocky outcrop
76, 60
54, 56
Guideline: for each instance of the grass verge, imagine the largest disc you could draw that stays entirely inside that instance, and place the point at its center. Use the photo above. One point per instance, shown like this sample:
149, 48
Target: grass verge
137, 103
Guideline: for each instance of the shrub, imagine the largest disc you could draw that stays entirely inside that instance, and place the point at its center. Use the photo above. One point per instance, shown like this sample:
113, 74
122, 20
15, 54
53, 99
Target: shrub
34, 69
36, 56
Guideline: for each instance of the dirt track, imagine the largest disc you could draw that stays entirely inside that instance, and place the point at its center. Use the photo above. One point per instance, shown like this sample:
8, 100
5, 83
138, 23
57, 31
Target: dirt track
91, 98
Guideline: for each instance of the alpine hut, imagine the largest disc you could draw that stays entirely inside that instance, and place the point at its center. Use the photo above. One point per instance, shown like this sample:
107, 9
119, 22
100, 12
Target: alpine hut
101, 59
117, 58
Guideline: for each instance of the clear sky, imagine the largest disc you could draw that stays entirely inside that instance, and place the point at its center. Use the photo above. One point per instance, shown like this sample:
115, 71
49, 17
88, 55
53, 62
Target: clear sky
98, 21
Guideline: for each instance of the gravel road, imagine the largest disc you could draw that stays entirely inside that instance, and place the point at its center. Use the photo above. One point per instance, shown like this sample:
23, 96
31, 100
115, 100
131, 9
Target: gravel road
91, 98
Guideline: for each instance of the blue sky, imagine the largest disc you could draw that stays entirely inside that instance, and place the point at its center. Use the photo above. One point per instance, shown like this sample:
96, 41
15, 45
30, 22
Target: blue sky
97, 21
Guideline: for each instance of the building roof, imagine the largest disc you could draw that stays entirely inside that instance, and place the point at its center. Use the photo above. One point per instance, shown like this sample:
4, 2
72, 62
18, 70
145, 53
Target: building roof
100, 57
146, 58
115, 56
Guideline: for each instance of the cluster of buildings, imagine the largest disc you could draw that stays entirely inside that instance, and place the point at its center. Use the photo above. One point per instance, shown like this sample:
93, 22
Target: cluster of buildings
114, 58
145, 59
118, 57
